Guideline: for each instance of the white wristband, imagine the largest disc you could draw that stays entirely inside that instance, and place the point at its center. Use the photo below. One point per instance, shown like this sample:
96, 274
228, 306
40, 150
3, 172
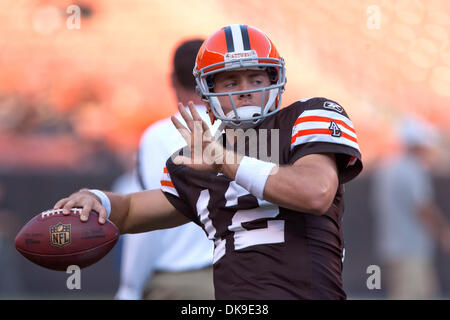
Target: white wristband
104, 199
252, 174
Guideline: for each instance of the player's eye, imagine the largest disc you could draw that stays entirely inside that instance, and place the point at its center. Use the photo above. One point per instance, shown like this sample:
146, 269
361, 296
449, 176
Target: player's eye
230, 84
258, 81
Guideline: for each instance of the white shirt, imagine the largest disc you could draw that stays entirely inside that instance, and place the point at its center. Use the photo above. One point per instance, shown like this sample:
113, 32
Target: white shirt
177, 249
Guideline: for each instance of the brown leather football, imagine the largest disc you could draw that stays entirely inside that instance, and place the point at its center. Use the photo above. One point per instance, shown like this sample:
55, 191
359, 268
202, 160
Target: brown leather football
56, 241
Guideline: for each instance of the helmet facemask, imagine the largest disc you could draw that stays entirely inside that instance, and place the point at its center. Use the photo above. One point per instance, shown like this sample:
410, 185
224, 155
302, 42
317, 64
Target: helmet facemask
246, 116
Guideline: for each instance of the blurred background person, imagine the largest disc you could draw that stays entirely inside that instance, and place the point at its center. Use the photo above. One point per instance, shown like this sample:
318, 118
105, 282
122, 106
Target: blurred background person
174, 263
409, 224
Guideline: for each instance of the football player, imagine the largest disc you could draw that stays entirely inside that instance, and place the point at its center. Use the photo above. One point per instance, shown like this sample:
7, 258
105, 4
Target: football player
276, 225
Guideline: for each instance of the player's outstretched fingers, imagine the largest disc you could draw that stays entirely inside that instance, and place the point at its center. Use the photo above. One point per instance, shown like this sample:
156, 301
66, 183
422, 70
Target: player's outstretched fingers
60, 203
102, 214
84, 216
182, 129
193, 111
69, 205
197, 118
206, 131
186, 116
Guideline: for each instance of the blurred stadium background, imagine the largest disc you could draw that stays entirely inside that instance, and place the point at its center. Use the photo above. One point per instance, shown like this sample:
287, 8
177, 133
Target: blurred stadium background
74, 101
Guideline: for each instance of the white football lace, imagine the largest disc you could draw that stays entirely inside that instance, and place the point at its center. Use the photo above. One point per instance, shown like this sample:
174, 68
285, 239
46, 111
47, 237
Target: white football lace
59, 211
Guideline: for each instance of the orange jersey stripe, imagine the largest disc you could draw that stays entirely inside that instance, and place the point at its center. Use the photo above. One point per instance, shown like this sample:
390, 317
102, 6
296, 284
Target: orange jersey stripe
166, 183
320, 131
165, 170
323, 119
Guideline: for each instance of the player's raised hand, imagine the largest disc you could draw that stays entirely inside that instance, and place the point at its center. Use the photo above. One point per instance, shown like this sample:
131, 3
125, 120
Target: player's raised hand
85, 200
206, 153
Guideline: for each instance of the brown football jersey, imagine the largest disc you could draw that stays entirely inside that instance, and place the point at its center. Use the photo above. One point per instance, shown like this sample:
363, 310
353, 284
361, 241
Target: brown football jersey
262, 250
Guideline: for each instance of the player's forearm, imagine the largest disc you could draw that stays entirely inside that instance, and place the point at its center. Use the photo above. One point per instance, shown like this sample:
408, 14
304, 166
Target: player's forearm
300, 189
135, 212
120, 206
304, 187
144, 211
130, 214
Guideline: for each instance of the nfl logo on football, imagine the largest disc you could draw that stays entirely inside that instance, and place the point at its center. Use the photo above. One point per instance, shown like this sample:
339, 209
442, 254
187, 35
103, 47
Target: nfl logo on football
60, 235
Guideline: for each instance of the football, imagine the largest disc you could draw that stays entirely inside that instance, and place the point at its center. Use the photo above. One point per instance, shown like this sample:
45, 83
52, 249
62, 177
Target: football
56, 241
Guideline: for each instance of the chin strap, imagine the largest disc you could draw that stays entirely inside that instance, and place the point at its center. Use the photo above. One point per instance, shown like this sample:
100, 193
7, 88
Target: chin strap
243, 112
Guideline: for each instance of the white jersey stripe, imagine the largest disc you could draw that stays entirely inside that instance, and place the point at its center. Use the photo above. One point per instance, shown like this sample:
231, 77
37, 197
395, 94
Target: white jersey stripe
219, 249
319, 125
167, 185
327, 114
166, 177
170, 190
324, 138
203, 214
299, 137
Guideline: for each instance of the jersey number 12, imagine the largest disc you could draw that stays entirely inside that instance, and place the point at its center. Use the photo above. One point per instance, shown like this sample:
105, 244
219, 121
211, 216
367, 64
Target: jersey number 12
243, 238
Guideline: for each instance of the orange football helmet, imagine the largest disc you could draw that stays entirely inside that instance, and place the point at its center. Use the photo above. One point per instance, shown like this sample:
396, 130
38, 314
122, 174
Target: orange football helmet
237, 47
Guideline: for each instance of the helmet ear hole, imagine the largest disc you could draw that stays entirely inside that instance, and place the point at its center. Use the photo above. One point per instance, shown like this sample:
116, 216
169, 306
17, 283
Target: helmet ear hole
210, 82
273, 74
